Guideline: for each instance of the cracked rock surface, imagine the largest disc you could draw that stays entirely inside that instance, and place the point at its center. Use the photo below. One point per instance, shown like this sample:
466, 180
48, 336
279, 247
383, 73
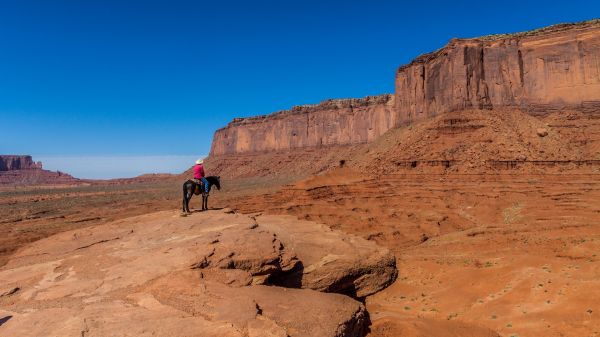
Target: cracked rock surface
210, 274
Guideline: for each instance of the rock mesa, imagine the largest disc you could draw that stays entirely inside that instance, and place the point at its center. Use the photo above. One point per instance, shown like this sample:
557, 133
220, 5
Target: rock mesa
539, 71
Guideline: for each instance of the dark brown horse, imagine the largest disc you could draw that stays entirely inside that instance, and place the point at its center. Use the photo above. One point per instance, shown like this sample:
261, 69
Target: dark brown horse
190, 187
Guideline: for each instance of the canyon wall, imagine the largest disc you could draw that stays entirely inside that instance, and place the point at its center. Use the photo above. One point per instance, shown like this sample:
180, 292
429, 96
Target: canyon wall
540, 72
13, 163
332, 122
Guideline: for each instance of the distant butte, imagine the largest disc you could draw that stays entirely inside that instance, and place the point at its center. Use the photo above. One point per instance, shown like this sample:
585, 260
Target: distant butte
18, 162
22, 170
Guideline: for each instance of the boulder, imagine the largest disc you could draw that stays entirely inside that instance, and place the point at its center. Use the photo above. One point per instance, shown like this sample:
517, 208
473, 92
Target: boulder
331, 260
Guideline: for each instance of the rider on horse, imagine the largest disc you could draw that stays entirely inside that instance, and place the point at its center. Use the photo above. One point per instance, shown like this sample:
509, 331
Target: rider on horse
199, 174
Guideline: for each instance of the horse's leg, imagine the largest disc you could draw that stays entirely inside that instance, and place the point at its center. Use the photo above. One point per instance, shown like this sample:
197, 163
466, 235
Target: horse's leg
183, 203
206, 203
188, 197
187, 203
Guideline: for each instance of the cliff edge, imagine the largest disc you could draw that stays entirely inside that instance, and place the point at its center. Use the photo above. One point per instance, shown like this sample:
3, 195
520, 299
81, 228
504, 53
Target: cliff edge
332, 122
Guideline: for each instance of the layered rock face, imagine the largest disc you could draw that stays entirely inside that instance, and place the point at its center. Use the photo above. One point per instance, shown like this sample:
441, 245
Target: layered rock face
539, 71
332, 122
13, 163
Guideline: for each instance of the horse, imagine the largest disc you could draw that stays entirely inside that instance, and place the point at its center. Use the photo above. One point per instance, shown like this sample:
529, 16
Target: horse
189, 187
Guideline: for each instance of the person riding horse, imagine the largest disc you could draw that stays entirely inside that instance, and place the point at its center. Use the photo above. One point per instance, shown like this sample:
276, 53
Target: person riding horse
199, 175
199, 185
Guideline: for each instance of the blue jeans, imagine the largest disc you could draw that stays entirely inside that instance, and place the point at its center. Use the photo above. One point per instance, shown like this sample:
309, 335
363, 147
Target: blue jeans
205, 182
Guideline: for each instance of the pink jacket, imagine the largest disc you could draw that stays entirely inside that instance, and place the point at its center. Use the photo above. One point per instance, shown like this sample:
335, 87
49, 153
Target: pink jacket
198, 171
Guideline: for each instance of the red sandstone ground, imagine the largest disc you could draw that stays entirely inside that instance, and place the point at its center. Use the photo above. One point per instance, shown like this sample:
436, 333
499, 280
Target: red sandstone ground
215, 273
514, 253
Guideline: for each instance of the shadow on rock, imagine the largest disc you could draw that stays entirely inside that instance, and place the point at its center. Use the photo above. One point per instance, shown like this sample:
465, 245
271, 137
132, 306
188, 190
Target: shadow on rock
4, 319
289, 279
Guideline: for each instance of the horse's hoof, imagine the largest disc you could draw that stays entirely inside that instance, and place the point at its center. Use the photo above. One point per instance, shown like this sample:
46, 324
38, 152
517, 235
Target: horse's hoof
183, 214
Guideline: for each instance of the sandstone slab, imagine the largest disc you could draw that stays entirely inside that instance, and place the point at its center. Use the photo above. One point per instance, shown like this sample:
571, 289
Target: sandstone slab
202, 275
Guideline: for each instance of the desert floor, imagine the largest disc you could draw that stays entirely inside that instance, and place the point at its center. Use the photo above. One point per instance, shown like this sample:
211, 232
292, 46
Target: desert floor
514, 253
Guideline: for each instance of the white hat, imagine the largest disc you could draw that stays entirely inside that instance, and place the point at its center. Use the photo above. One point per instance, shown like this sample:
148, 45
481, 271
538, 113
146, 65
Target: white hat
199, 161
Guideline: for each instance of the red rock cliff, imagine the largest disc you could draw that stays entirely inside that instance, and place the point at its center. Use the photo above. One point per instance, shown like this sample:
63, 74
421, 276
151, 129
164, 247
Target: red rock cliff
13, 163
345, 121
539, 71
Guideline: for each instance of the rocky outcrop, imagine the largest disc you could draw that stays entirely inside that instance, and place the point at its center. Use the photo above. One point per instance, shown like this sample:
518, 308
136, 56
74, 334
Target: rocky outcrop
349, 265
541, 71
209, 274
332, 122
22, 170
13, 163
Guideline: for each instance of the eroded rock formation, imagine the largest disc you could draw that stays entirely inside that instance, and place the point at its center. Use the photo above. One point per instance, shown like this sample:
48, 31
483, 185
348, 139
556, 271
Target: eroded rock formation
540, 71
210, 274
22, 170
332, 122
13, 163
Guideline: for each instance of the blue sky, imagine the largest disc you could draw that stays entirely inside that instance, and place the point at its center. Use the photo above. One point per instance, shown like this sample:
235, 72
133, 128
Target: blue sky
149, 78
119, 166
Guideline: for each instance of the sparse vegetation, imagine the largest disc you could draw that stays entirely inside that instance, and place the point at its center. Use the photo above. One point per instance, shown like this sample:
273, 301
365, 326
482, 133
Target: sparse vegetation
513, 213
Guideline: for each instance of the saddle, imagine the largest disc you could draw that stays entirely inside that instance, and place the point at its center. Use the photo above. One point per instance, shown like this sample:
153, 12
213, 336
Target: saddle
199, 186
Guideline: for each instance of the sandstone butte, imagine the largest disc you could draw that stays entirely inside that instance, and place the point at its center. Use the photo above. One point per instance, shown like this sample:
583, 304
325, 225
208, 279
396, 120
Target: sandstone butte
542, 71
12, 163
215, 273
21, 169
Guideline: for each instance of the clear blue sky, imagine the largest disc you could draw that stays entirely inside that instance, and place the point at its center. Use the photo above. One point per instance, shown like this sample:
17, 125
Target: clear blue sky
86, 78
